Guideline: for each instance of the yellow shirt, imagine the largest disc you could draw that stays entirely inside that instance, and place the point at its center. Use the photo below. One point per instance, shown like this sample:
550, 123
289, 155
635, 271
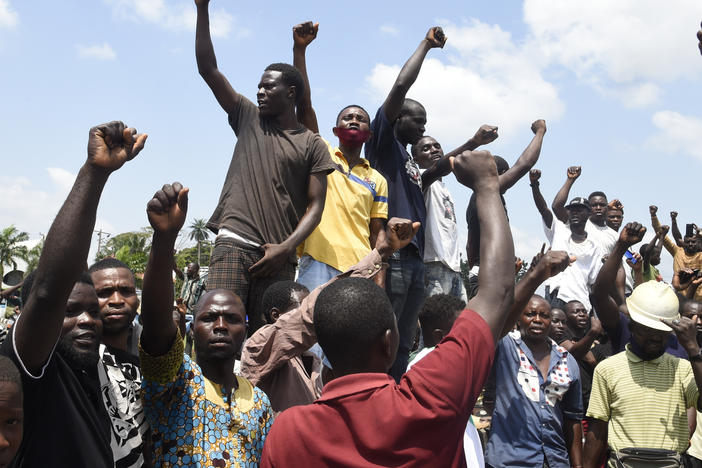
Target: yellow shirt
353, 199
645, 402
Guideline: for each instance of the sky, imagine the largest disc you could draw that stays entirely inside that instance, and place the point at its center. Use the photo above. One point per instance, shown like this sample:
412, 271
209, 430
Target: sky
618, 83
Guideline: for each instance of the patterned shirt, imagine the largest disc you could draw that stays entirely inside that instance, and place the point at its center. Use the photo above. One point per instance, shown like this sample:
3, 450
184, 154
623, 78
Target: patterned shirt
194, 422
120, 388
530, 411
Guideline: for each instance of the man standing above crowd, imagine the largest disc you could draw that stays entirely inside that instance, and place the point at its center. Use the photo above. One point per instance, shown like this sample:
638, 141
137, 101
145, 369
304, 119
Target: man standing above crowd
601, 234
357, 195
56, 339
574, 283
640, 396
200, 412
274, 191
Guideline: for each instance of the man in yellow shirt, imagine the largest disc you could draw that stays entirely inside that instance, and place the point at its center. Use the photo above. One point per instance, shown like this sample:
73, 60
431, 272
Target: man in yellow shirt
357, 195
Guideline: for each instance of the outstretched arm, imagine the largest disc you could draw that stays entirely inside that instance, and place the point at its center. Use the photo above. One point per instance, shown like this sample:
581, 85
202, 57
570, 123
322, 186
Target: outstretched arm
604, 304
559, 201
477, 171
276, 255
669, 245
207, 62
67, 243
674, 230
546, 215
408, 75
528, 158
543, 266
303, 35
484, 135
166, 212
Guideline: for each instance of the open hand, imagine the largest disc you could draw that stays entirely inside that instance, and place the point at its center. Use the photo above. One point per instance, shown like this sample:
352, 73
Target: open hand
305, 33
112, 144
274, 258
167, 209
436, 37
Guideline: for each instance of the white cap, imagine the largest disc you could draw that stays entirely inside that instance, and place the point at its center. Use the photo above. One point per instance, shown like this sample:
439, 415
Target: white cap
652, 301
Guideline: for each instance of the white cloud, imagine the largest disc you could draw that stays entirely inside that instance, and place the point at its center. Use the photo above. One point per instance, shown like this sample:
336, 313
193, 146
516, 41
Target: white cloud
677, 133
389, 29
8, 16
97, 52
620, 48
482, 76
173, 16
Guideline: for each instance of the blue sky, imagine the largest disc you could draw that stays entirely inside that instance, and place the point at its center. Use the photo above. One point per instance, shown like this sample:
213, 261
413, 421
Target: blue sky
617, 82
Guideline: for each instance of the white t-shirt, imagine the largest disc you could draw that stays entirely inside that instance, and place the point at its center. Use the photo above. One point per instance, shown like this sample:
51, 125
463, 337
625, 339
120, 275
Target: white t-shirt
575, 281
472, 446
604, 236
441, 231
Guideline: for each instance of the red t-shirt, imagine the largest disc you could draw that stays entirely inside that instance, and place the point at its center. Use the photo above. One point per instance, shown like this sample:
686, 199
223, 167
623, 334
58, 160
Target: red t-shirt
369, 420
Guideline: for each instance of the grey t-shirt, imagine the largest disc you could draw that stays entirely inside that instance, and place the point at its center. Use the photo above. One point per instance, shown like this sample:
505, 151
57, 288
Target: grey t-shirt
265, 191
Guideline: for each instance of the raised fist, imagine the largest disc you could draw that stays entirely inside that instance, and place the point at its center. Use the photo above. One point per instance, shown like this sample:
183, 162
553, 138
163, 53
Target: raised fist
538, 125
653, 209
632, 234
573, 172
436, 37
534, 175
304, 33
112, 144
167, 209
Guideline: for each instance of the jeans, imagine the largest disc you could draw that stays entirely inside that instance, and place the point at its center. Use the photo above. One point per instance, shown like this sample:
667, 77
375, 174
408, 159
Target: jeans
440, 279
404, 284
313, 273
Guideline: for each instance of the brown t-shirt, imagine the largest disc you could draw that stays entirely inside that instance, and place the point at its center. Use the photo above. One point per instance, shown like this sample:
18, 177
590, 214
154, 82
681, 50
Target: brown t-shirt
265, 191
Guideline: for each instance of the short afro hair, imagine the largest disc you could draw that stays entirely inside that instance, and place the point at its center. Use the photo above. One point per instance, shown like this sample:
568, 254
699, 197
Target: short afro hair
109, 262
338, 116
291, 77
350, 315
9, 372
597, 194
29, 283
439, 311
278, 295
502, 164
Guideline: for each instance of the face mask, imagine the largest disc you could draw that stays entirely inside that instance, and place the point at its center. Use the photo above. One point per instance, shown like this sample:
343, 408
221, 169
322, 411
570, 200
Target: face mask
351, 137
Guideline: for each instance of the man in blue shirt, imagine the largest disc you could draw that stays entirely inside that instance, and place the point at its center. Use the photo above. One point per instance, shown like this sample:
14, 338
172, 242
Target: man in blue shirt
398, 123
538, 404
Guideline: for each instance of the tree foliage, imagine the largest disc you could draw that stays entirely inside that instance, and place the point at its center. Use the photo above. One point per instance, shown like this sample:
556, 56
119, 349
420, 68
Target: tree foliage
199, 233
10, 248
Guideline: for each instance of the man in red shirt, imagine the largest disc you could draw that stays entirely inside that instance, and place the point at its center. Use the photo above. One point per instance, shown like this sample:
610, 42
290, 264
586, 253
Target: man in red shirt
364, 418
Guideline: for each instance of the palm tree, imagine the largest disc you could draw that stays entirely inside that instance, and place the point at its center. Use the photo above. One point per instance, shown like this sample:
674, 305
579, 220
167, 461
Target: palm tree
10, 250
199, 233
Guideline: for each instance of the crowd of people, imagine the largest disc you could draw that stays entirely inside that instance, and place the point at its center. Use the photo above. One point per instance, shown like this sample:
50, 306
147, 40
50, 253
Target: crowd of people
334, 328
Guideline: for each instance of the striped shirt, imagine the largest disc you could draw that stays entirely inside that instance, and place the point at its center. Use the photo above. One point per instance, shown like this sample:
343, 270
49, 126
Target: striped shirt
645, 402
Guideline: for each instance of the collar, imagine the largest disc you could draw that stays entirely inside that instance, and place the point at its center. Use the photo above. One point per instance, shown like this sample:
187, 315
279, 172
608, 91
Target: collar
243, 396
634, 358
362, 162
354, 383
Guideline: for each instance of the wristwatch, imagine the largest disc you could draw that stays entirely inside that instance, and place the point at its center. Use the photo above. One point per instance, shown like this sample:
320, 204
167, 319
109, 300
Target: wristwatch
697, 357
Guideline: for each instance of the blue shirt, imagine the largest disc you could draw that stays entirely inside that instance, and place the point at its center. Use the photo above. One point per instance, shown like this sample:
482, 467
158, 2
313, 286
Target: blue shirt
527, 424
389, 157
621, 336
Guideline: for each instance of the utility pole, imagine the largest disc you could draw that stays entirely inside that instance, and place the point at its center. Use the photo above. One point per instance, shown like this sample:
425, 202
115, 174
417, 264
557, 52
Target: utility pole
100, 233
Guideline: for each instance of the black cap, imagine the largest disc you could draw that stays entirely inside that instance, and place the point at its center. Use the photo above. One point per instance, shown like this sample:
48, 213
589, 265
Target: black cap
578, 201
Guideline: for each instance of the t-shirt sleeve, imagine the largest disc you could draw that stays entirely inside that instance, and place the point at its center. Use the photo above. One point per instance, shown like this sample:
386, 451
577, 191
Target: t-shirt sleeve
573, 398
379, 147
600, 397
162, 370
244, 113
550, 231
451, 377
689, 385
380, 201
320, 161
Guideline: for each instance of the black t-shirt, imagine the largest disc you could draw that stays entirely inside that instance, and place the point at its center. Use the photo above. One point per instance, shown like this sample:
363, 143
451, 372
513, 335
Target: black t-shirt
474, 230
585, 369
65, 422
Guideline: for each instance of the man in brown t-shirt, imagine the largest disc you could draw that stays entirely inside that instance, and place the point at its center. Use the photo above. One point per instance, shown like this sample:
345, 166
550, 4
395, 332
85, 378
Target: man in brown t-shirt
274, 192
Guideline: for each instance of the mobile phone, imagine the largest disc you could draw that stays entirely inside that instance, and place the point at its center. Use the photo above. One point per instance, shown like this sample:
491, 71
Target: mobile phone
630, 256
689, 230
